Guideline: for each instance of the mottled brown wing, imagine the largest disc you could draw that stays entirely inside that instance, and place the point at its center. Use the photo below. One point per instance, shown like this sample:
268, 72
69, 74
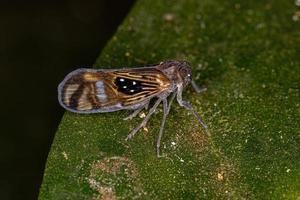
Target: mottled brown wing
92, 91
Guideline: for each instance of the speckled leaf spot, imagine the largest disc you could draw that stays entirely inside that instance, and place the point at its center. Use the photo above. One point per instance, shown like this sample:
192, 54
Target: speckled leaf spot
102, 90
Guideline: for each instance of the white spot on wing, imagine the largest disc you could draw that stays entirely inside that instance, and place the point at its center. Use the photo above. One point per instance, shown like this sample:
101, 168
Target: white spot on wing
133, 83
100, 91
118, 105
101, 97
99, 85
122, 79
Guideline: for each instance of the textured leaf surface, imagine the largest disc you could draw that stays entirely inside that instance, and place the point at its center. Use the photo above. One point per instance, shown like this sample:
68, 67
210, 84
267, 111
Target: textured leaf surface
247, 55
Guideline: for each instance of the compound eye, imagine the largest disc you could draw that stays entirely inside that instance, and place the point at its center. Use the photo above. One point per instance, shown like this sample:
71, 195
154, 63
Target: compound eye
184, 72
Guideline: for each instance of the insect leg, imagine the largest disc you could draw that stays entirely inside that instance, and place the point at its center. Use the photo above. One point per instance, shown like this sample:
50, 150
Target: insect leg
136, 112
197, 88
166, 112
166, 108
144, 122
147, 105
171, 101
188, 106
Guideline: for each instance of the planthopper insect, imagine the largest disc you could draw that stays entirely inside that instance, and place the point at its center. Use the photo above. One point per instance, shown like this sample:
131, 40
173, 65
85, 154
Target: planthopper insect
108, 90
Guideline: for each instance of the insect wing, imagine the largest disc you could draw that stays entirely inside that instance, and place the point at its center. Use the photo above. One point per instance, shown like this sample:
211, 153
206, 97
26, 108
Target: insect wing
92, 91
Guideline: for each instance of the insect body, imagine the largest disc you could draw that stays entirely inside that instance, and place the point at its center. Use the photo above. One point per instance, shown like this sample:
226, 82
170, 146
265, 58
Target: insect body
108, 90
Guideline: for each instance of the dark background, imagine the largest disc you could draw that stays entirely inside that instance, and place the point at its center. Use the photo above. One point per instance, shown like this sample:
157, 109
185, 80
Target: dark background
40, 42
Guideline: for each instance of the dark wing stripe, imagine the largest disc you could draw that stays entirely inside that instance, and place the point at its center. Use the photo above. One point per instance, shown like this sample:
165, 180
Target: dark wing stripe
130, 100
150, 78
144, 94
147, 80
137, 94
75, 96
126, 75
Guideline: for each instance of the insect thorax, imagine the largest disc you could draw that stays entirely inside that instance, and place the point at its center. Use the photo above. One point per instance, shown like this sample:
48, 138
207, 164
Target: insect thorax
179, 72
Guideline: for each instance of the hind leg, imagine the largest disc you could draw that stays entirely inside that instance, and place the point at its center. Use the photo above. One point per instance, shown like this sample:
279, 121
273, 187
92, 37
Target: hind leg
136, 112
144, 122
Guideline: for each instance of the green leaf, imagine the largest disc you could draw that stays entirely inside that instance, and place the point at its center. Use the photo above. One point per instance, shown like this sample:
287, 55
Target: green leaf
247, 55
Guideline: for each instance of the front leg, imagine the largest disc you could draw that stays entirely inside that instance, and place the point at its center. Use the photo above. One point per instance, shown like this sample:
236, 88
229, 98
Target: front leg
197, 88
188, 106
